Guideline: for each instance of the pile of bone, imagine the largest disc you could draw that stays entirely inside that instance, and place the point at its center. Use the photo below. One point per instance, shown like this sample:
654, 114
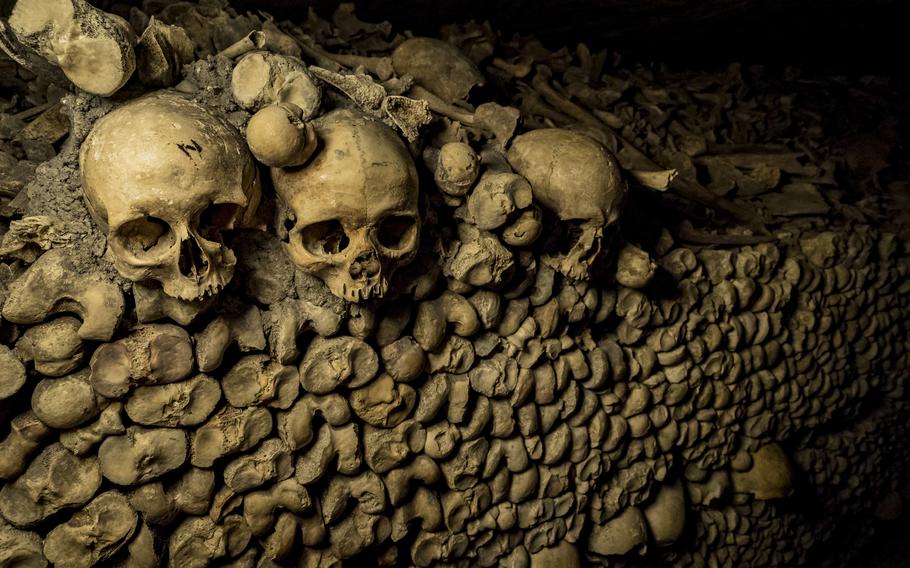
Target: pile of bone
477, 373
752, 146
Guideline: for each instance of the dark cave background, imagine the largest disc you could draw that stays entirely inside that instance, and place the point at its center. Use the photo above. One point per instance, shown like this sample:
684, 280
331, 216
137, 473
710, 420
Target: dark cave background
855, 37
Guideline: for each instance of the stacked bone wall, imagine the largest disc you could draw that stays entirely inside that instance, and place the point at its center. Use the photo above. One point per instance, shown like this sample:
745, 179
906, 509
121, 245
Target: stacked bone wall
743, 406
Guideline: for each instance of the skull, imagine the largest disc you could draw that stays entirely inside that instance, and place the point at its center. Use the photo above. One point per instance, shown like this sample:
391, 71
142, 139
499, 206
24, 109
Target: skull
164, 177
355, 205
578, 181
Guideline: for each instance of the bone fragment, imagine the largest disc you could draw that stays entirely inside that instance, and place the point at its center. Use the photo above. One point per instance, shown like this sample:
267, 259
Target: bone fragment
93, 48
53, 285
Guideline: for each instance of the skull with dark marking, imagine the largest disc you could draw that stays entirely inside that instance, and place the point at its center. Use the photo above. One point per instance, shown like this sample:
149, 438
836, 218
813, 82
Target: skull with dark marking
165, 177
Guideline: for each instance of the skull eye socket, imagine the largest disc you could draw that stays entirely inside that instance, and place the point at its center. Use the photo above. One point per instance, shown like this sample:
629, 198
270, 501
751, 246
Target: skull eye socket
397, 232
146, 236
216, 218
324, 238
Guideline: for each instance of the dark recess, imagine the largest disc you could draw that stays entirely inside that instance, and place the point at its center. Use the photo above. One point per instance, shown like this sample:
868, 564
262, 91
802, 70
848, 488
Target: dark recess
842, 36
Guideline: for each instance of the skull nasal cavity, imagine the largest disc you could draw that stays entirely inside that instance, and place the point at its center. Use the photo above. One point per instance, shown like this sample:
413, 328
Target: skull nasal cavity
366, 265
193, 261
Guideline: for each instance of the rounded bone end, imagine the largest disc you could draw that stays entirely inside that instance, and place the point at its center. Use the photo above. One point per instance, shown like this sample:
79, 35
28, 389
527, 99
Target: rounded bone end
456, 169
12, 373
93, 48
890, 507
634, 267
142, 454
98, 65
666, 514
34, 16
620, 535
65, 403
525, 230
278, 138
110, 521
21, 548
770, 477
565, 555
54, 347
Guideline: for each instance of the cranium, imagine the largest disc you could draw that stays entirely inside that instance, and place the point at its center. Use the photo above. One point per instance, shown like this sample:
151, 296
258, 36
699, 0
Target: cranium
164, 177
355, 205
580, 182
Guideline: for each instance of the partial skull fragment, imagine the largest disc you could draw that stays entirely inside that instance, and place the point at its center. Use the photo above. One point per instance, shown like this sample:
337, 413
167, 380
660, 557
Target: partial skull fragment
437, 66
579, 181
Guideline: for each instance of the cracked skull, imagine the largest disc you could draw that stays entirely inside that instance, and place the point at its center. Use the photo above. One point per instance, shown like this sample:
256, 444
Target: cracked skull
355, 205
164, 177
580, 183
